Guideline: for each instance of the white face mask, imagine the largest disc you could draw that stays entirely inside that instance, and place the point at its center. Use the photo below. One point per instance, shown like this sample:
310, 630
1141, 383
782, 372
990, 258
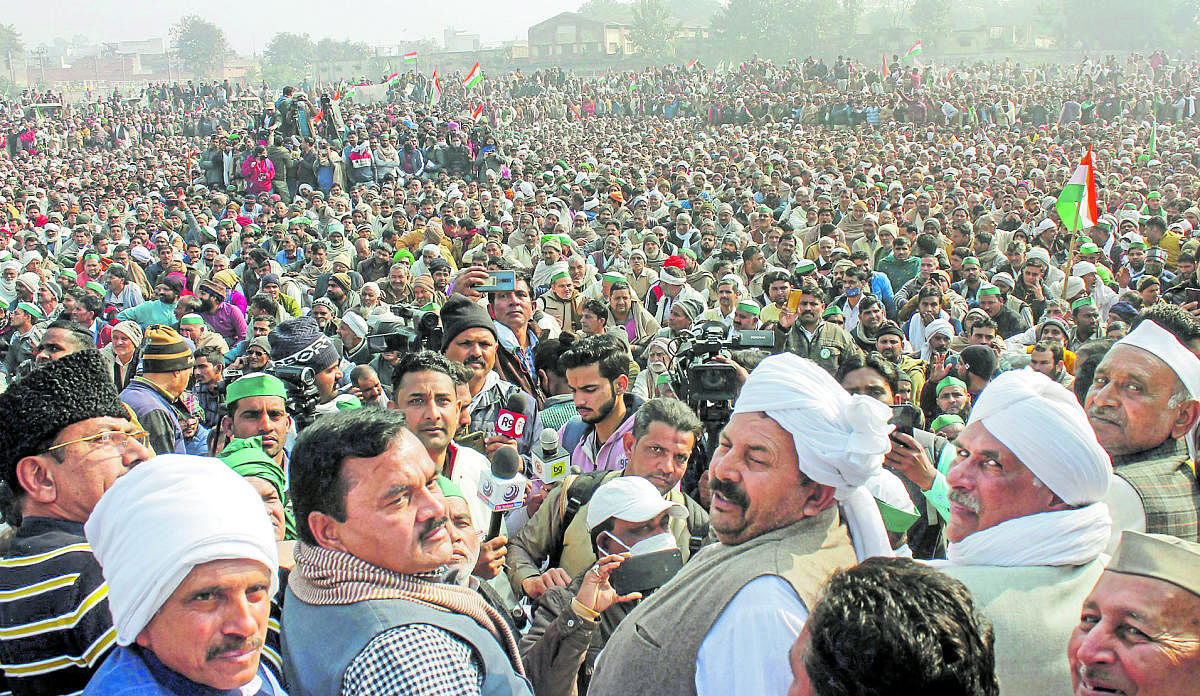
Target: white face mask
664, 541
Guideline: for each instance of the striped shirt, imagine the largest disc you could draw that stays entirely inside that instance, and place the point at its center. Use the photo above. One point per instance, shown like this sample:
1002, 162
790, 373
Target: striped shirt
55, 626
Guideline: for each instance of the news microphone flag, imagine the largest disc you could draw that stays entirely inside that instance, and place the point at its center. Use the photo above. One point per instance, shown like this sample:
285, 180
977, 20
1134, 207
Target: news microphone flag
511, 420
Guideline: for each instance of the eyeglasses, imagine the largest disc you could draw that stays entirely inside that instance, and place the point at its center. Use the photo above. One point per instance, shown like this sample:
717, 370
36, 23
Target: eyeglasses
117, 439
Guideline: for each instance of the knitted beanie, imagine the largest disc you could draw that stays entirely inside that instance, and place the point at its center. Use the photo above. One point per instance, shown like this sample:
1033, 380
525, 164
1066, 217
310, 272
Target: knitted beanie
55, 395
460, 314
300, 343
165, 350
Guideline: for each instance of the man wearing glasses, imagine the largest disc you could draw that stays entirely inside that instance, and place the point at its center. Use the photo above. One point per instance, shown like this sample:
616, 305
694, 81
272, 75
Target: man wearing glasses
64, 439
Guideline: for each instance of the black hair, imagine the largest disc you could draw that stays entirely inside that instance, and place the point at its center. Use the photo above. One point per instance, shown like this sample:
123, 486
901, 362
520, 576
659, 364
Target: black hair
1180, 322
871, 361
603, 350
212, 354
91, 303
264, 302
1055, 348
80, 335
596, 307
547, 353
892, 625
421, 361
315, 468
984, 323
671, 412
1087, 358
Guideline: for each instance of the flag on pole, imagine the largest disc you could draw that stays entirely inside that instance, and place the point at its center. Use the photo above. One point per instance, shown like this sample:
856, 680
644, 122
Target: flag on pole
435, 93
886, 73
692, 63
394, 77
477, 113
410, 57
1077, 203
1152, 148
913, 52
474, 77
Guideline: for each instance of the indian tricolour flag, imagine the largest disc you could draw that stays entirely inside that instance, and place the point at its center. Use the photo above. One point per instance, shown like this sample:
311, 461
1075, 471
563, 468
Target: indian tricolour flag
435, 93
410, 57
477, 113
691, 64
913, 52
474, 77
1077, 202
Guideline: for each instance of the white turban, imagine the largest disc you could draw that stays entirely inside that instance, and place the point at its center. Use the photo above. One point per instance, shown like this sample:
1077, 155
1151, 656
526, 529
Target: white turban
941, 325
1163, 345
840, 438
1045, 427
165, 517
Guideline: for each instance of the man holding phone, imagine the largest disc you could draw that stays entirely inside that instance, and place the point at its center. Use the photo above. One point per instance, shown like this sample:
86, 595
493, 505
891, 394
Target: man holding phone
630, 525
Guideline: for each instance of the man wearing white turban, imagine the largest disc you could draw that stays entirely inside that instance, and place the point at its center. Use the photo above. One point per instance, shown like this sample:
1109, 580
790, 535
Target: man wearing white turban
789, 507
1148, 431
191, 565
1027, 526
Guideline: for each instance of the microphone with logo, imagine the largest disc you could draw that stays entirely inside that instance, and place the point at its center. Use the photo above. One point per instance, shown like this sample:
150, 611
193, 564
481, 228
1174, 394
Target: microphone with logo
502, 486
550, 461
511, 419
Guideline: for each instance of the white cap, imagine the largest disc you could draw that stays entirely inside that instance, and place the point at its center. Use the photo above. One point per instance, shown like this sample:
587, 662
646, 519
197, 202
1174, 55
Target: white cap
1083, 268
632, 499
1046, 224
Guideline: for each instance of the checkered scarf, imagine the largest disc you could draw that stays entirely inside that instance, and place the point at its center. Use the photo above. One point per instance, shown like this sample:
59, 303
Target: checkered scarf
325, 576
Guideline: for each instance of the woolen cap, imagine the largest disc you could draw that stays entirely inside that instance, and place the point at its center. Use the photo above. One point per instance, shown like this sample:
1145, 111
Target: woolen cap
459, 314
165, 350
53, 396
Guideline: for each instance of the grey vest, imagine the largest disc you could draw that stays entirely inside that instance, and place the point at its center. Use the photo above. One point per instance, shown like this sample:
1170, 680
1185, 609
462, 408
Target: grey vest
320, 642
653, 651
1167, 487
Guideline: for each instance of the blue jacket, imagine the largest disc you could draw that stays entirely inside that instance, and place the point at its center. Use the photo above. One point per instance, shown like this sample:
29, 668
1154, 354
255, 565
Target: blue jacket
132, 671
157, 415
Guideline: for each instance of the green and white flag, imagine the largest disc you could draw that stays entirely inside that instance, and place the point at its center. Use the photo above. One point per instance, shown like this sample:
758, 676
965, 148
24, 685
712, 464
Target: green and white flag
913, 52
474, 77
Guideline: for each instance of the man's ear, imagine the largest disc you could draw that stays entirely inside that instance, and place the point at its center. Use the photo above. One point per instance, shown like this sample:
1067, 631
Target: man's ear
622, 384
37, 479
326, 530
627, 440
818, 498
1185, 418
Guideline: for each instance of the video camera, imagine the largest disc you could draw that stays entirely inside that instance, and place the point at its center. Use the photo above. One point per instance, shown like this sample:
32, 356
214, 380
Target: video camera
417, 329
302, 392
700, 380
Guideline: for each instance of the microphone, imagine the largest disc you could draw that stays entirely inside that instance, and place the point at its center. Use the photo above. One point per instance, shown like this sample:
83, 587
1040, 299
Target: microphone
550, 460
511, 419
502, 487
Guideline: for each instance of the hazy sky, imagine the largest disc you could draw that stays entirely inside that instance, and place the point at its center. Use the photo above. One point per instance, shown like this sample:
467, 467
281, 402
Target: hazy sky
249, 25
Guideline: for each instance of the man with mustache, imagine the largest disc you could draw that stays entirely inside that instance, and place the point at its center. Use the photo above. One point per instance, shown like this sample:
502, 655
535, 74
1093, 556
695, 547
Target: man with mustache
1142, 404
426, 394
191, 565
1027, 527
256, 406
825, 343
469, 338
1138, 632
366, 610
788, 507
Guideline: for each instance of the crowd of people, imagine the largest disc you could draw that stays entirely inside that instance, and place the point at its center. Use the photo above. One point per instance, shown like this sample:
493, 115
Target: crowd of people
843, 398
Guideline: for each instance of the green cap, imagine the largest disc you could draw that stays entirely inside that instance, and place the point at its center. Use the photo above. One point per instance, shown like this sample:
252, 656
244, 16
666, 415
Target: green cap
95, 287
944, 420
896, 521
255, 384
348, 402
950, 382
66, 272
449, 488
833, 310
91, 257
1154, 194
559, 275
688, 252
30, 309
806, 266
1089, 248
191, 320
403, 254
246, 456
1082, 302
970, 261
1138, 245
750, 307
614, 277
989, 290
